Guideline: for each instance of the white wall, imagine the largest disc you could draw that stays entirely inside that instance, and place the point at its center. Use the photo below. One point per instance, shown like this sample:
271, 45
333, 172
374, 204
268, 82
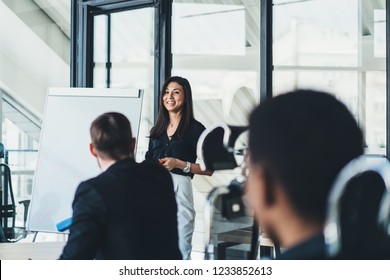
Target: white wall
28, 66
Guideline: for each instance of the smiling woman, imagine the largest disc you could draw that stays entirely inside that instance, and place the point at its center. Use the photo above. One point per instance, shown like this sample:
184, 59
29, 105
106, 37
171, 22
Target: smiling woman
174, 97
173, 142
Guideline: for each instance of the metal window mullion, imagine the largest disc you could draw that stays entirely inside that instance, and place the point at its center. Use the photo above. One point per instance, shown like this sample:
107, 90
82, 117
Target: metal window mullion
387, 80
88, 46
107, 6
266, 39
81, 45
108, 63
73, 43
162, 48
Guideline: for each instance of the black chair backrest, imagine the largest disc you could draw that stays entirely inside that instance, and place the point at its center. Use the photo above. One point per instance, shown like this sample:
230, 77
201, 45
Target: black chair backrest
216, 146
361, 236
353, 229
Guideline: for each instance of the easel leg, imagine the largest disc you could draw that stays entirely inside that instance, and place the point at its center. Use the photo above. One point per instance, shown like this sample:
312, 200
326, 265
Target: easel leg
35, 236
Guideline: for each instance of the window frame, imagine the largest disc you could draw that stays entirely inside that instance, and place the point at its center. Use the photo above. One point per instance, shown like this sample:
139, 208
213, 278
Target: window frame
82, 30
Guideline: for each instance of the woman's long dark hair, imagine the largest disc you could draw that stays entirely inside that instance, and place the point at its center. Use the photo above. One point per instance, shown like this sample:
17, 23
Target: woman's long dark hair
187, 113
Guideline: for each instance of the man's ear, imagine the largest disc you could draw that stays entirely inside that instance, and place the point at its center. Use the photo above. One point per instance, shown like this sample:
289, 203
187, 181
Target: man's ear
132, 148
269, 186
92, 150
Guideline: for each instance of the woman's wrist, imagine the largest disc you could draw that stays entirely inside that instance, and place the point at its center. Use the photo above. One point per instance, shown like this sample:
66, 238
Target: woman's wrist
180, 164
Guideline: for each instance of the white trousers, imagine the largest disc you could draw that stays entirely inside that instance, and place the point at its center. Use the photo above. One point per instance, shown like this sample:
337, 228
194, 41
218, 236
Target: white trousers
185, 213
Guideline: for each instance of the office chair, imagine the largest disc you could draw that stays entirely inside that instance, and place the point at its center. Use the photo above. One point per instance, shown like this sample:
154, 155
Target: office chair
384, 212
8, 206
215, 148
354, 229
8, 209
2, 235
216, 151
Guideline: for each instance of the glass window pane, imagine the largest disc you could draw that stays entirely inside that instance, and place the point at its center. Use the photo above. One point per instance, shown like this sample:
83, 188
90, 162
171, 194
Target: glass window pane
216, 47
341, 83
320, 33
338, 46
132, 60
212, 21
375, 129
221, 74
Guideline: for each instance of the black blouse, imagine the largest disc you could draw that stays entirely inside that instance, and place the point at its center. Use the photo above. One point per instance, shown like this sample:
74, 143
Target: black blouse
181, 148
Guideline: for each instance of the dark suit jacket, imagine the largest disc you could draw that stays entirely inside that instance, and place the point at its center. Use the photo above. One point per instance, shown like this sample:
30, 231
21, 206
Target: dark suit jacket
127, 212
311, 249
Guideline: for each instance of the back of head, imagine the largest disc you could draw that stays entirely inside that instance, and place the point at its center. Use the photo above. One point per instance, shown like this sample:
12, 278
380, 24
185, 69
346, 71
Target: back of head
302, 139
111, 135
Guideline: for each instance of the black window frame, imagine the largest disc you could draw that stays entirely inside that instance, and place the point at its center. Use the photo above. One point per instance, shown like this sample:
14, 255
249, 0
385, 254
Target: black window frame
387, 79
82, 30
